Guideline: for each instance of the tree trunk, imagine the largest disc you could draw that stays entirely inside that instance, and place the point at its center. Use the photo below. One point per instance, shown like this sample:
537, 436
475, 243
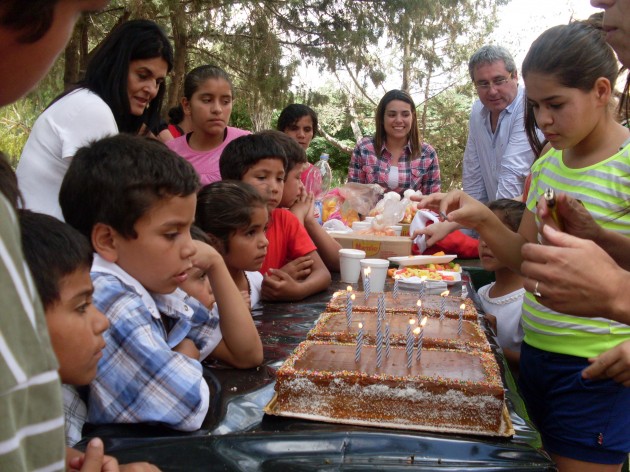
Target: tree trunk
177, 14
72, 55
406, 63
427, 92
335, 142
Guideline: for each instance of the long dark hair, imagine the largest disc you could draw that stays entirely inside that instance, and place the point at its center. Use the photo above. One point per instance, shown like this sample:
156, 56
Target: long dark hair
108, 70
380, 136
576, 55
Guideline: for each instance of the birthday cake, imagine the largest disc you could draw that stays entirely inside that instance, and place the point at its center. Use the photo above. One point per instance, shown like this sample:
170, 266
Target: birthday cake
333, 326
446, 390
405, 303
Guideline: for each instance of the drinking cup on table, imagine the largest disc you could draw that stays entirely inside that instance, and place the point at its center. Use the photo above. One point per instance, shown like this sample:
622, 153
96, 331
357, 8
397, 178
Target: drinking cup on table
350, 265
378, 273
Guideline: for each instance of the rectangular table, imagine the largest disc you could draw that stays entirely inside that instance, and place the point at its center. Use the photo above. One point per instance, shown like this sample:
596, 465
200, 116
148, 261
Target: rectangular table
236, 435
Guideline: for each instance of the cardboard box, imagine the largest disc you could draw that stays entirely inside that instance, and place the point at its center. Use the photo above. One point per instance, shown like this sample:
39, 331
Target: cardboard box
380, 247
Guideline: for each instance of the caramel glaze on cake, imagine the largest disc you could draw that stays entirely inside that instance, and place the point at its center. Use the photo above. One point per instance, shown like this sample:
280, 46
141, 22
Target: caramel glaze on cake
406, 303
446, 390
332, 326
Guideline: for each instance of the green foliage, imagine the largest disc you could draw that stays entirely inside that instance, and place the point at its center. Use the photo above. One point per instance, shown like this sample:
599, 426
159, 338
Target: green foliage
447, 132
357, 47
17, 119
240, 117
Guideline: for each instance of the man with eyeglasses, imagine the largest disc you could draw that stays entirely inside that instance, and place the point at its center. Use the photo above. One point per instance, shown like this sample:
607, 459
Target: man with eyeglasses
497, 156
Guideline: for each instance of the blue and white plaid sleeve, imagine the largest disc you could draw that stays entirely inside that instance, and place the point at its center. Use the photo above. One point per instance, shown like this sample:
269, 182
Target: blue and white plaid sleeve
139, 378
191, 320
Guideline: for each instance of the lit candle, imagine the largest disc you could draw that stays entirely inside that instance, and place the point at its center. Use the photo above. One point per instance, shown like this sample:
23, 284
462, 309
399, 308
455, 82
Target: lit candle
349, 310
421, 338
410, 342
387, 341
461, 319
396, 287
419, 303
444, 294
366, 283
357, 353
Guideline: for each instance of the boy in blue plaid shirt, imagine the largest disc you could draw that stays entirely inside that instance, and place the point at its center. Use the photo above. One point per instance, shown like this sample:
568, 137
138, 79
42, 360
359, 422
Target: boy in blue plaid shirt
135, 200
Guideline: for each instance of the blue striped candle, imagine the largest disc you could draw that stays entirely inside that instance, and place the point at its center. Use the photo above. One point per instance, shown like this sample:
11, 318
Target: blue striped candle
357, 353
410, 342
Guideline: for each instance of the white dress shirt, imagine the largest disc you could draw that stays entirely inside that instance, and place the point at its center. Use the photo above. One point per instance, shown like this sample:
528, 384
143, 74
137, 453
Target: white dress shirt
497, 164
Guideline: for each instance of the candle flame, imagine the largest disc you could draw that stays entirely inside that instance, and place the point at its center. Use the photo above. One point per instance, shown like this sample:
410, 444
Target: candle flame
360, 324
352, 297
462, 306
349, 289
419, 303
424, 321
367, 271
416, 331
412, 321
444, 293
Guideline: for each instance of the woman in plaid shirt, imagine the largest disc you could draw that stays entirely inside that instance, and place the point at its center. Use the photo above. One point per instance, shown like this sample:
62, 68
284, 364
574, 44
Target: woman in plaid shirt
395, 158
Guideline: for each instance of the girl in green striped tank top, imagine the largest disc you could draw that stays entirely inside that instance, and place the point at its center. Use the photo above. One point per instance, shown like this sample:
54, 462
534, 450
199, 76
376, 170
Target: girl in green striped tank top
569, 74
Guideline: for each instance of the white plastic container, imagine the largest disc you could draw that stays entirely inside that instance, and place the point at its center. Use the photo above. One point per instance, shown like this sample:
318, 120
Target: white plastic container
378, 273
350, 265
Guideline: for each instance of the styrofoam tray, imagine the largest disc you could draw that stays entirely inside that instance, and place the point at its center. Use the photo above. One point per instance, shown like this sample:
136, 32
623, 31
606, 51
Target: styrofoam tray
422, 260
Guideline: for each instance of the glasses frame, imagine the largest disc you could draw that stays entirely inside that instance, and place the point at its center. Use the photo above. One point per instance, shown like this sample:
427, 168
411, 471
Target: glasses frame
497, 83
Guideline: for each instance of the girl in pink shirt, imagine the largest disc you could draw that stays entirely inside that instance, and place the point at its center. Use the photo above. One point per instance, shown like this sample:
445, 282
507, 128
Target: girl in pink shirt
208, 102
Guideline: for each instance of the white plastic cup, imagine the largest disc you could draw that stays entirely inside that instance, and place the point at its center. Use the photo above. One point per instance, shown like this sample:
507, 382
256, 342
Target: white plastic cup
378, 273
361, 225
350, 265
397, 229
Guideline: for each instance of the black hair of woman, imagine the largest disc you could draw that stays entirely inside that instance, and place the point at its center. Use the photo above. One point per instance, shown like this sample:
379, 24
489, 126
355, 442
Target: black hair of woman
108, 71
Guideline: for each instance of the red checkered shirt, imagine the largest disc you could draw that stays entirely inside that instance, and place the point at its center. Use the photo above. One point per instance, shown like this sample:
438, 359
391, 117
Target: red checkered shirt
421, 173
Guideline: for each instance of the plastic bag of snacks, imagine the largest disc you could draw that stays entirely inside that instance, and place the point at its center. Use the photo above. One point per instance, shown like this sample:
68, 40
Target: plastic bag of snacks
335, 207
347, 202
409, 208
361, 197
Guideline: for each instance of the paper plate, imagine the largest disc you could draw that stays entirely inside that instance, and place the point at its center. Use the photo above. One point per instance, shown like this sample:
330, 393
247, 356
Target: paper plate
422, 260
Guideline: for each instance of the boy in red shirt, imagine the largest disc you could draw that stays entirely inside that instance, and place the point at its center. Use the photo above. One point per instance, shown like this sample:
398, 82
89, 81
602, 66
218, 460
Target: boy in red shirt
292, 269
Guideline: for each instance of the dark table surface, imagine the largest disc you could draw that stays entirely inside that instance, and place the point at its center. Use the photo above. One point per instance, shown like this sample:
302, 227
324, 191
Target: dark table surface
238, 436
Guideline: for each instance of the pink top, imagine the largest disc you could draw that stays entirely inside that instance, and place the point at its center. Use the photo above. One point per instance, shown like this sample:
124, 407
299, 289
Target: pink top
206, 163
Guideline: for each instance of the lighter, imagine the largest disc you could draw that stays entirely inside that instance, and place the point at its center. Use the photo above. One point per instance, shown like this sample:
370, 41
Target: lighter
550, 198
